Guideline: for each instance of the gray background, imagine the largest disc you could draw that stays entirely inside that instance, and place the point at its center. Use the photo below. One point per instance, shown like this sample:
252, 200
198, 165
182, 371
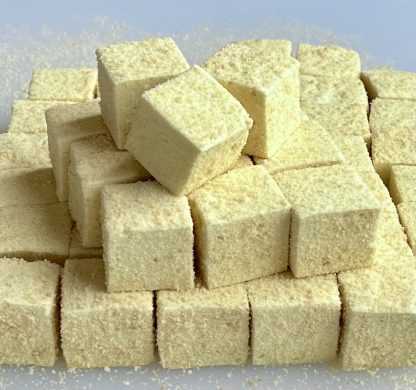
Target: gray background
58, 33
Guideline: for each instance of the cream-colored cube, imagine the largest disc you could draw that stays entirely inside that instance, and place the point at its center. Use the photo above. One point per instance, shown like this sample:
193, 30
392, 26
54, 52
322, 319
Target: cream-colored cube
407, 213
77, 251
402, 184
28, 116
309, 145
68, 123
334, 220
29, 299
275, 46
267, 85
332, 91
389, 84
340, 120
127, 70
356, 153
24, 151
379, 317
188, 130
100, 329
294, 320
147, 238
94, 163
203, 327
392, 124
35, 232
328, 60
242, 225
26, 186
67, 84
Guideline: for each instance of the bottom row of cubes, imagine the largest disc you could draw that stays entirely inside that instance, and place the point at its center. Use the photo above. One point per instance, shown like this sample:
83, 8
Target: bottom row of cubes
292, 320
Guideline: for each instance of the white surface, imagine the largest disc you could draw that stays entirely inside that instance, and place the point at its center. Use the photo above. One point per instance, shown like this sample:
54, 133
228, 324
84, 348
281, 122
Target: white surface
34, 34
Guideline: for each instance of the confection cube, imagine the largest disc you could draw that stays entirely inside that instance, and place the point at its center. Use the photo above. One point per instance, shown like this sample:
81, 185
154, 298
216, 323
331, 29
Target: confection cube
68, 123
402, 184
379, 319
94, 163
242, 225
389, 84
29, 298
356, 153
203, 327
28, 116
275, 46
77, 251
407, 213
310, 145
392, 124
340, 120
71, 84
188, 130
334, 220
127, 70
332, 91
35, 232
328, 60
24, 151
26, 186
305, 311
100, 329
267, 85
147, 238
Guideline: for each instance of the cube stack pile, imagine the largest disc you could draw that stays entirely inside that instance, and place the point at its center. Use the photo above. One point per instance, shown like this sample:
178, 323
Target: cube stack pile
200, 214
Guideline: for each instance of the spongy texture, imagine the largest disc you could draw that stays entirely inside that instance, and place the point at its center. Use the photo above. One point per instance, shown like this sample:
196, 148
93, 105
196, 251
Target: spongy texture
28, 312
242, 225
355, 152
305, 310
72, 84
392, 124
35, 232
147, 238
309, 145
188, 130
407, 213
26, 186
329, 61
203, 327
100, 329
389, 84
403, 183
24, 151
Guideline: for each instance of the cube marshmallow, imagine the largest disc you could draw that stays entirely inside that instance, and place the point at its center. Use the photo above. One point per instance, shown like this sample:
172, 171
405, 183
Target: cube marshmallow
402, 184
407, 213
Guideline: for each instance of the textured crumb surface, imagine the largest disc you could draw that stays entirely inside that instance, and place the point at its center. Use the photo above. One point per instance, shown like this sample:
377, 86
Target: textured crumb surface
26, 186
305, 310
328, 60
28, 116
392, 124
77, 251
68, 123
241, 229
100, 329
329, 205
407, 213
310, 145
72, 84
267, 85
35, 232
402, 184
203, 327
127, 70
28, 312
340, 120
147, 238
24, 151
355, 153
188, 130
389, 84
